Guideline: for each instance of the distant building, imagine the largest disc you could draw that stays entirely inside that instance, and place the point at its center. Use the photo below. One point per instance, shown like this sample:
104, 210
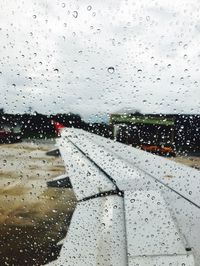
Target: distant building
157, 132
149, 132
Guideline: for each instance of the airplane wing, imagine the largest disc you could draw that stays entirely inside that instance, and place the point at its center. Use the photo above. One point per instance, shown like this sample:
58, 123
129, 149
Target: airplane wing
134, 208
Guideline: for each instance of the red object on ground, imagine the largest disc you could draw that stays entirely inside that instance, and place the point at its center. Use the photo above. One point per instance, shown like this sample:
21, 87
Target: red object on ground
161, 150
58, 127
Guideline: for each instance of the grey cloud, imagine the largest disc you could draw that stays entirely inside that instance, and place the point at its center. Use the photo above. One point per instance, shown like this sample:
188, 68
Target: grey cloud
63, 61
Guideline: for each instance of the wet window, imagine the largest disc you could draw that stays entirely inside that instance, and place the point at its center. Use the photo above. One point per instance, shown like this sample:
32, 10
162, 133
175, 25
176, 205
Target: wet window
99, 132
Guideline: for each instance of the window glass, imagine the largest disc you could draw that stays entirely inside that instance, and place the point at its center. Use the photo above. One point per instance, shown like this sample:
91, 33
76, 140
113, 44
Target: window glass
125, 70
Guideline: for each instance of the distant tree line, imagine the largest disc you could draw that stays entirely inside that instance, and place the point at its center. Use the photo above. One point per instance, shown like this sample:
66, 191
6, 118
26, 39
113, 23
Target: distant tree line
41, 126
36, 125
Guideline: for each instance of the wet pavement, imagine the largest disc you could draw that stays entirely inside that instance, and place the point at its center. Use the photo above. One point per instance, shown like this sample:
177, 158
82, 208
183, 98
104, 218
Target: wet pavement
33, 218
192, 161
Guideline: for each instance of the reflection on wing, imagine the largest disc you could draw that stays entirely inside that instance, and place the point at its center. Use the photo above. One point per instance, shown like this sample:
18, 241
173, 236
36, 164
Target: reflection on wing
129, 212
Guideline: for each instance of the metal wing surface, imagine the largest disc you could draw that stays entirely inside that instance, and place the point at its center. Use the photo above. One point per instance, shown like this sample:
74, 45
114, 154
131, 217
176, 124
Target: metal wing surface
134, 208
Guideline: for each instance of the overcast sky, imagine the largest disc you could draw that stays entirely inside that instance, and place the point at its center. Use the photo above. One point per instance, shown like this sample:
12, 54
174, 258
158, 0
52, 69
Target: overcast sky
97, 57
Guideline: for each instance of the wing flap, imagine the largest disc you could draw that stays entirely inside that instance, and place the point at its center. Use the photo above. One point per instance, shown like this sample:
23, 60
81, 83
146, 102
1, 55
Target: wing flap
96, 235
151, 230
152, 236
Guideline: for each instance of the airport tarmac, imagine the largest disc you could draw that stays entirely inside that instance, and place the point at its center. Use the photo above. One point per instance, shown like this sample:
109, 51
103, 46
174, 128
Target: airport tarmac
33, 218
192, 161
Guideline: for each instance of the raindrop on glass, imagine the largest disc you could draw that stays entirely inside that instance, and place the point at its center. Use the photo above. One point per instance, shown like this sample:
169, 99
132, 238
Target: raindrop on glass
75, 14
89, 8
111, 70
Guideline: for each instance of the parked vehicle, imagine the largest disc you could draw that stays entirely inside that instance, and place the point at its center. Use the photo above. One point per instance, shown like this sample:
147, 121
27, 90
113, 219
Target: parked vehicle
10, 135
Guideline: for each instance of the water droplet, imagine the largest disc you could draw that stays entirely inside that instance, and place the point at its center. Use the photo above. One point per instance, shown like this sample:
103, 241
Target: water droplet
89, 8
34, 16
63, 5
111, 70
75, 14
